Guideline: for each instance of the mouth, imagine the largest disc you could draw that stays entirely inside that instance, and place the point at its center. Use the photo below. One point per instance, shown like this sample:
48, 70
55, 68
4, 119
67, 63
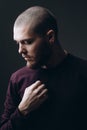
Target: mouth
27, 58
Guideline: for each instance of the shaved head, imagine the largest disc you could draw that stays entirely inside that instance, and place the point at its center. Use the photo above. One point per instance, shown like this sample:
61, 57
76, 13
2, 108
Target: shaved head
38, 19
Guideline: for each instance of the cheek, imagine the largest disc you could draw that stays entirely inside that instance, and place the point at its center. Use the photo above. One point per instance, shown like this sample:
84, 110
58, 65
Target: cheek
45, 49
39, 50
31, 49
36, 49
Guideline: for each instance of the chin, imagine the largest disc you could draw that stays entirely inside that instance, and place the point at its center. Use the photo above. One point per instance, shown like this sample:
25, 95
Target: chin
33, 65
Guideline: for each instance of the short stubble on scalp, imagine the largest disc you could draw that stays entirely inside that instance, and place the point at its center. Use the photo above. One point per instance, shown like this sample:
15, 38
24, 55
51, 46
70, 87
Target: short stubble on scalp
39, 20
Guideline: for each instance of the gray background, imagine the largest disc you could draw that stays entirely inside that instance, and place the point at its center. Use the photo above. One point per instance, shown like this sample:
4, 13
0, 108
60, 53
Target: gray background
72, 21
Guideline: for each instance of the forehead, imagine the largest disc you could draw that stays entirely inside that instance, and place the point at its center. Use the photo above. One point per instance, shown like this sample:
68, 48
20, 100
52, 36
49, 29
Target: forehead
21, 32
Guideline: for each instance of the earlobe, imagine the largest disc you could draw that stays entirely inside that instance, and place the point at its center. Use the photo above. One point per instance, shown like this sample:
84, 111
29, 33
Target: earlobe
51, 36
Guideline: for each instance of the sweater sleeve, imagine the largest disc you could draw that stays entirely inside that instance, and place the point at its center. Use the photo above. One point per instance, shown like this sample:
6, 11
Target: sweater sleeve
11, 118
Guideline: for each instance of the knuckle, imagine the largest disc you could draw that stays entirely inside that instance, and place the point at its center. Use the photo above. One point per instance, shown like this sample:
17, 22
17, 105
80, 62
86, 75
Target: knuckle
35, 91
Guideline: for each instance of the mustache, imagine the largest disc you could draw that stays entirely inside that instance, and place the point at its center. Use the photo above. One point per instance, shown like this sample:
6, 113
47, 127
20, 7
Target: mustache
27, 56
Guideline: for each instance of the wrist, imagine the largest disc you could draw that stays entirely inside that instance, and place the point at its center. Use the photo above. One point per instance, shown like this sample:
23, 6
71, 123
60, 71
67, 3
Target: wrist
22, 110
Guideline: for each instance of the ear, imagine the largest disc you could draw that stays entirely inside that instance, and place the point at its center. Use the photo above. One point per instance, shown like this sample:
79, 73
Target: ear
51, 36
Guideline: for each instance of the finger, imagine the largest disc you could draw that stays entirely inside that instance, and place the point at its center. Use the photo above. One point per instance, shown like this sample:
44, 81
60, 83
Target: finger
43, 93
42, 99
39, 89
35, 85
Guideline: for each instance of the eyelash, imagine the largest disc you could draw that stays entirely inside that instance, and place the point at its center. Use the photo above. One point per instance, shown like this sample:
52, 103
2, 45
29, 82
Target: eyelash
28, 42
25, 42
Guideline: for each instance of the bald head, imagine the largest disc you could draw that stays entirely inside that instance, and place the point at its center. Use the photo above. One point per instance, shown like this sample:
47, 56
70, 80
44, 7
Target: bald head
38, 19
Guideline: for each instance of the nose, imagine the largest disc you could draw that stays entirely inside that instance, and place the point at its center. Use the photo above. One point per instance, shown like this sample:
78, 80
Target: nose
21, 49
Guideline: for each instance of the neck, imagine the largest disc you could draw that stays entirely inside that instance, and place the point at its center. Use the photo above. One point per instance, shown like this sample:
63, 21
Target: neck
58, 55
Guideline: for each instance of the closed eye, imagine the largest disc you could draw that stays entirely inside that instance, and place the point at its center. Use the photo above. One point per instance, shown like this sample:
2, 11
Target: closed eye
28, 41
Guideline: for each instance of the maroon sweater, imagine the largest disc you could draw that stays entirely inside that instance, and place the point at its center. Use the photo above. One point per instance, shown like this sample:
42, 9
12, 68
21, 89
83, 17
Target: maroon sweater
66, 107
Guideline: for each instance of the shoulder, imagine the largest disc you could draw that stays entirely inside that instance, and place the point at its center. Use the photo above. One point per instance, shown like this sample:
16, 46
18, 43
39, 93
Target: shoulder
21, 73
79, 64
24, 74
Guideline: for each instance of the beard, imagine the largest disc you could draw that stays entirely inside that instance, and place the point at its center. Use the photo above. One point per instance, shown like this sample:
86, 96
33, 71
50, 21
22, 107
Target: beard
41, 59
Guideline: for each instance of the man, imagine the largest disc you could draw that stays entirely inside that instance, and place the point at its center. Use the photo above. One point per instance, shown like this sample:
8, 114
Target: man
50, 92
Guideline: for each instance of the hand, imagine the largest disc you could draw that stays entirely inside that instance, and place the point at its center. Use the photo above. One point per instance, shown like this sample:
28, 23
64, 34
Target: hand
34, 95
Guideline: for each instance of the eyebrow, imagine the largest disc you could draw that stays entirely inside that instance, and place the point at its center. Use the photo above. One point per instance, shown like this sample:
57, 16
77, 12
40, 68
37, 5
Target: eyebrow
27, 39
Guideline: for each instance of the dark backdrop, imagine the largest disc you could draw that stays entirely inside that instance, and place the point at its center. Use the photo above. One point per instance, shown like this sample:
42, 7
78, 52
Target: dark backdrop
72, 21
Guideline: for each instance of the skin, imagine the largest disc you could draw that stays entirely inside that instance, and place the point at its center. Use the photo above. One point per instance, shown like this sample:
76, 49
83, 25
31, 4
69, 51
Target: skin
33, 48
38, 52
33, 97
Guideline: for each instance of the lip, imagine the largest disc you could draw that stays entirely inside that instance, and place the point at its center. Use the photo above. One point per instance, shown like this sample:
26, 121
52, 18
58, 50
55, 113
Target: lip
27, 58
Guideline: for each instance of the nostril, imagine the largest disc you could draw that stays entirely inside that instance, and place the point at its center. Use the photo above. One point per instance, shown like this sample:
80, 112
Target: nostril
22, 51
21, 48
